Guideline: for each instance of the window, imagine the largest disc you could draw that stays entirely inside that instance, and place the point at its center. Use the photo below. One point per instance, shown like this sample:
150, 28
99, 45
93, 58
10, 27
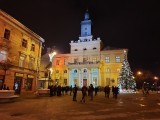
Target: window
118, 59
65, 71
57, 71
21, 60
107, 59
31, 63
84, 59
84, 48
32, 47
3, 55
75, 71
57, 62
84, 70
75, 60
107, 70
7, 34
94, 59
94, 48
24, 43
29, 84
65, 62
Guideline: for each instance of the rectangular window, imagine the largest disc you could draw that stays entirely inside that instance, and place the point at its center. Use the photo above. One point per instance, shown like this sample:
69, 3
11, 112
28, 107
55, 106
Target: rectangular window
84, 59
75, 60
3, 55
94, 59
118, 59
32, 47
28, 84
107, 59
21, 60
57, 62
31, 63
7, 34
24, 43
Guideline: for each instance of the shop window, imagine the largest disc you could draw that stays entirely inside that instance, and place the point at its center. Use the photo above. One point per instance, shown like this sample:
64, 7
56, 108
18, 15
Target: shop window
29, 84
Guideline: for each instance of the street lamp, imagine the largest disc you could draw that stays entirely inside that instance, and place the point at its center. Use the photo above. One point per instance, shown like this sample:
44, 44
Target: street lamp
156, 80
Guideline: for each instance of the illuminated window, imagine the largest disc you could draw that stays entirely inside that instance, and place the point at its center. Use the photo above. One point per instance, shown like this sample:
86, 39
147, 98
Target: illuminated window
31, 63
3, 55
21, 60
24, 43
28, 85
32, 47
7, 34
94, 59
84, 59
107, 59
118, 59
107, 70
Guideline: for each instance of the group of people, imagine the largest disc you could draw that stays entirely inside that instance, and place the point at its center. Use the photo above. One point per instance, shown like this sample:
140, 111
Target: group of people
90, 90
86, 91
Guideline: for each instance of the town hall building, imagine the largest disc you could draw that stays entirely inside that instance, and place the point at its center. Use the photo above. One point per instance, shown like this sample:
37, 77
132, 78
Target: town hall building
87, 63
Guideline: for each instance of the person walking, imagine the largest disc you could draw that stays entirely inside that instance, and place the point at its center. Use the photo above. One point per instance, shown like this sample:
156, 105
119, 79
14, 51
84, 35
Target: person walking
108, 91
84, 94
116, 91
91, 89
71, 90
75, 93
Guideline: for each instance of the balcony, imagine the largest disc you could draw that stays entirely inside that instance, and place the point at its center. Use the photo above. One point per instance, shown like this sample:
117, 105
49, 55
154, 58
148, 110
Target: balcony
4, 43
87, 64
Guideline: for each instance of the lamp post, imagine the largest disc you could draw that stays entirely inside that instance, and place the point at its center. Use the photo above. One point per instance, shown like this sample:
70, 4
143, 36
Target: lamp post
139, 82
50, 71
156, 80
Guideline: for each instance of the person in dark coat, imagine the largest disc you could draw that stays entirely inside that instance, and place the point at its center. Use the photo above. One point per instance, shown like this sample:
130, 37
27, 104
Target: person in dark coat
75, 93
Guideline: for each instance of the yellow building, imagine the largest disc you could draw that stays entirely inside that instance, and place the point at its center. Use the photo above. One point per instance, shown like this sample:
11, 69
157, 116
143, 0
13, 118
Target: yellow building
87, 63
20, 53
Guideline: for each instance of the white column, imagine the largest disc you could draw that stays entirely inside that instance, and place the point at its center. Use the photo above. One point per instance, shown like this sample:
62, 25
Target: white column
69, 76
99, 77
89, 77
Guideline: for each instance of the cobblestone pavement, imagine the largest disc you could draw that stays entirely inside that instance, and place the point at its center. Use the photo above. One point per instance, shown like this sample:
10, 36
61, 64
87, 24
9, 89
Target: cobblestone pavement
125, 107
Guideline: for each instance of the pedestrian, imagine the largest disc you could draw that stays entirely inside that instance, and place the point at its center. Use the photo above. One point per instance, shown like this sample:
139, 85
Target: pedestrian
84, 94
108, 91
75, 93
96, 90
116, 91
91, 89
71, 90
113, 88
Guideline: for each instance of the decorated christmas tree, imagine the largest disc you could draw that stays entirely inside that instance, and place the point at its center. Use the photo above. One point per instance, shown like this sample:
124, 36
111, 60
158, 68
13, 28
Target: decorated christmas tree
126, 81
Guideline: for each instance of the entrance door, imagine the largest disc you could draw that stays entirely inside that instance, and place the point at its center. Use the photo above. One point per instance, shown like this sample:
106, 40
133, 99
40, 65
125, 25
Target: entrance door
17, 84
84, 82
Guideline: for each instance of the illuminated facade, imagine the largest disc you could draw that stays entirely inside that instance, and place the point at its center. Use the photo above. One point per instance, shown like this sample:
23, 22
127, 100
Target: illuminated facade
87, 62
20, 53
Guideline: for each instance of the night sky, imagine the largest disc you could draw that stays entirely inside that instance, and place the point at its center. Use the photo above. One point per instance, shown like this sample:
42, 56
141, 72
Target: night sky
132, 24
